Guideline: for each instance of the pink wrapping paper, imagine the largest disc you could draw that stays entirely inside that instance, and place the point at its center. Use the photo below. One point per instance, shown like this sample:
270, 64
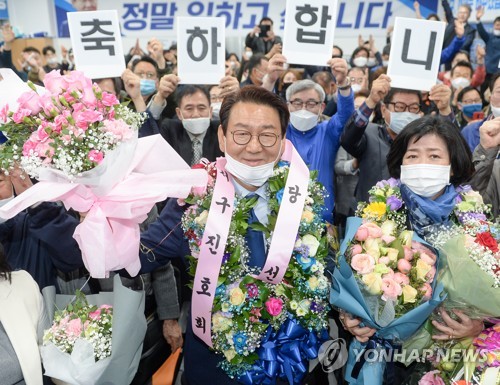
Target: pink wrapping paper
109, 235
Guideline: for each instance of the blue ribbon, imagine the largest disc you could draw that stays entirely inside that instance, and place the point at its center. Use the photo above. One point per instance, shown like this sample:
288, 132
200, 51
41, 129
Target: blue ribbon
389, 346
284, 354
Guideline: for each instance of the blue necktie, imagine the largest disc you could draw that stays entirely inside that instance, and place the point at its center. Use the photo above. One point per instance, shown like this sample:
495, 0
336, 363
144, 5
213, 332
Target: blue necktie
255, 243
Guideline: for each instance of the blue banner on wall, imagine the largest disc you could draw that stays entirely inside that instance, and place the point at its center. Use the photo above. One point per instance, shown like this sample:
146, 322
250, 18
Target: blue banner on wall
4, 12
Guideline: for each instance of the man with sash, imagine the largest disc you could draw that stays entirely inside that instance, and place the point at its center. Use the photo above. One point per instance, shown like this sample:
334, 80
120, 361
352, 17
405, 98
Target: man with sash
252, 136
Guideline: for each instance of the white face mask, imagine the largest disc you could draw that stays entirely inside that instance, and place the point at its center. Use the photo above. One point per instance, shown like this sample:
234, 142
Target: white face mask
254, 176
460, 83
52, 60
303, 120
248, 54
385, 63
496, 32
196, 126
371, 62
360, 61
495, 111
356, 87
425, 180
400, 120
216, 109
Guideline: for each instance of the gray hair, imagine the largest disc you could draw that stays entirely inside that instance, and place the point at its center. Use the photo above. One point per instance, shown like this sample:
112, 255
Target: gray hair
303, 85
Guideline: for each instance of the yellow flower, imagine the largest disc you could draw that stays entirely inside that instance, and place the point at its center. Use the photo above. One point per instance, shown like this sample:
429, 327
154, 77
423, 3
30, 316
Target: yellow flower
375, 210
230, 354
372, 247
221, 323
307, 216
225, 306
392, 254
301, 312
313, 282
294, 305
373, 282
236, 296
422, 269
409, 294
202, 218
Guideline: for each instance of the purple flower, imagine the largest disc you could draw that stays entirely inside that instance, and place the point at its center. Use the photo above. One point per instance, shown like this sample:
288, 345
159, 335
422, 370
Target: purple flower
253, 290
463, 188
393, 182
316, 308
394, 203
458, 199
225, 258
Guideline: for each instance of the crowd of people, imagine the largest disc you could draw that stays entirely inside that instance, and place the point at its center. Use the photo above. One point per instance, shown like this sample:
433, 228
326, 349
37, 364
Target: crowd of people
344, 119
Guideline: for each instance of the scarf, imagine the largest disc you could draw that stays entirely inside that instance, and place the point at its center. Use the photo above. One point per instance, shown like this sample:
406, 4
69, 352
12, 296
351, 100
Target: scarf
425, 213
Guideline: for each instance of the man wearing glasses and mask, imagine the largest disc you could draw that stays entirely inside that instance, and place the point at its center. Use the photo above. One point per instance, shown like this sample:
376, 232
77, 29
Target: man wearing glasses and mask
317, 141
370, 143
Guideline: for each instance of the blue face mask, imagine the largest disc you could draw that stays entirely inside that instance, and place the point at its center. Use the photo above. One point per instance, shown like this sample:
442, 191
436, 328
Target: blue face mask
148, 86
469, 109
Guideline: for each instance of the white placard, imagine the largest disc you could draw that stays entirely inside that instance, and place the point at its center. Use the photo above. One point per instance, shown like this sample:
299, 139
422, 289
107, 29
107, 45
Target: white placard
11, 88
97, 43
309, 29
201, 49
415, 53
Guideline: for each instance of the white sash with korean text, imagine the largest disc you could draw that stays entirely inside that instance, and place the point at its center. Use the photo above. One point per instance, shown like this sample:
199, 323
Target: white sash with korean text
217, 230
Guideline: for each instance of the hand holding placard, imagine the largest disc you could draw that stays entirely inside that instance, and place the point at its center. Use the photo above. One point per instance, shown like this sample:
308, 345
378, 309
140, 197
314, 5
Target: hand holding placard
440, 94
415, 53
380, 88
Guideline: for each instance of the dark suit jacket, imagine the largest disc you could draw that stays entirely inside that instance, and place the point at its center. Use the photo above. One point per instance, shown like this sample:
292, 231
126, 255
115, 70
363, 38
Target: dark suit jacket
175, 134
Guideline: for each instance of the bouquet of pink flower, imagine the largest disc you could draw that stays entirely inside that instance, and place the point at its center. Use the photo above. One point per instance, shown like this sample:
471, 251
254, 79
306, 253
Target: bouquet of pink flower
82, 146
394, 273
96, 339
82, 321
71, 127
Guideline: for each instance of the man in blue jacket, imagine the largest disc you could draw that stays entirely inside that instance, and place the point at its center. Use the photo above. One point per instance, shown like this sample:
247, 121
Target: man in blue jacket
318, 141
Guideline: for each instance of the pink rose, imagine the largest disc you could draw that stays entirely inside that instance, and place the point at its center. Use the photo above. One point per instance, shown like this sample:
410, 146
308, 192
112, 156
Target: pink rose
374, 230
54, 82
384, 260
20, 114
274, 306
429, 259
96, 156
109, 99
389, 274
74, 327
45, 101
391, 289
119, 129
417, 246
404, 266
363, 263
356, 249
408, 253
95, 315
388, 239
30, 101
361, 234
431, 378
28, 147
77, 81
41, 133
60, 122
427, 290
401, 279
44, 149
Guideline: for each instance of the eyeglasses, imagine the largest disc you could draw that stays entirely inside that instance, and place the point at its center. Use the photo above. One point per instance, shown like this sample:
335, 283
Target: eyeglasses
148, 75
310, 104
266, 139
471, 101
414, 108
357, 80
